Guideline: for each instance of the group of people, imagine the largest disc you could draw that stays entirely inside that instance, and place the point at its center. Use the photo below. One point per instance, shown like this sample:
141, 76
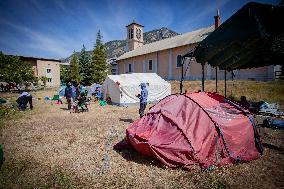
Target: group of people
74, 94
9, 86
76, 97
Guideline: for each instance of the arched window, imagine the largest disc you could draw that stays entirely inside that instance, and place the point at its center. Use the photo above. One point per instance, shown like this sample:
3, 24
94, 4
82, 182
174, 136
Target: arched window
131, 35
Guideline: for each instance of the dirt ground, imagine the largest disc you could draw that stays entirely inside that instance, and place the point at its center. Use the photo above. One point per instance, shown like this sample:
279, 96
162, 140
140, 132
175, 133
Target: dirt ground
50, 148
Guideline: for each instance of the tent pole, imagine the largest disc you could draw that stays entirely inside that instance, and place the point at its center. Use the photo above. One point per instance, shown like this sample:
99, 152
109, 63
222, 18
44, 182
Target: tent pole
216, 79
232, 82
225, 83
181, 76
203, 77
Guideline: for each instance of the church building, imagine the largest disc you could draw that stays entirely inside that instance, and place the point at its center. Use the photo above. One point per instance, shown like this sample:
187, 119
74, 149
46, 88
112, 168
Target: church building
162, 57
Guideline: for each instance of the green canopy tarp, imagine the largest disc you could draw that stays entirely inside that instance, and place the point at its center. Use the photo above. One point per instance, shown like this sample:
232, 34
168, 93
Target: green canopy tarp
252, 37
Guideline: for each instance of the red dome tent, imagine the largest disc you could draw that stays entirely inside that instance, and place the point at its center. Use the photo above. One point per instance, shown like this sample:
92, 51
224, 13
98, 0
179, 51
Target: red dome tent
196, 129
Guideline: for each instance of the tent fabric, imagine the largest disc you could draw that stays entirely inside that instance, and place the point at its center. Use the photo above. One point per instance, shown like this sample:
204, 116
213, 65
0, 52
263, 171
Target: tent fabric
83, 88
62, 91
122, 89
250, 38
196, 129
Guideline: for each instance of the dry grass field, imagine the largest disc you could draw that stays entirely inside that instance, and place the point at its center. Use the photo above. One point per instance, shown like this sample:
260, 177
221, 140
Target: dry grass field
50, 148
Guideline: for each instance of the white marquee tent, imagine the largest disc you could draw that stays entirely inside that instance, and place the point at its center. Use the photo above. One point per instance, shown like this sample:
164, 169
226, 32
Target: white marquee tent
122, 89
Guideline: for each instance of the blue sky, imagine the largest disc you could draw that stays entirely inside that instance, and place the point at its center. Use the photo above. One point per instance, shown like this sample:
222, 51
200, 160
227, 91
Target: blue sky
55, 28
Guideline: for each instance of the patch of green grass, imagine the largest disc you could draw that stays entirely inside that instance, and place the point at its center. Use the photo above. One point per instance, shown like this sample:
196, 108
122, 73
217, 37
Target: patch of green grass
29, 174
9, 113
11, 173
61, 179
216, 183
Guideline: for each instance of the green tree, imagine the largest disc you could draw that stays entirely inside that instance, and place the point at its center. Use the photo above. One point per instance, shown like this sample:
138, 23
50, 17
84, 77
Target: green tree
84, 64
74, 68
281, 2
44, 80
64, 73
99, 65
12, 69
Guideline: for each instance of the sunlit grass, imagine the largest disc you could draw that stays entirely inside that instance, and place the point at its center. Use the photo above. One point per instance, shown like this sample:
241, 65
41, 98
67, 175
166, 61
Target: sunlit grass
272, 91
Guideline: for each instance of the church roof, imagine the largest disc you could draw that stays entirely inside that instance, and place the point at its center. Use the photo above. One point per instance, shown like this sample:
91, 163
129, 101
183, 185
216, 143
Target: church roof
136, 23
177, 41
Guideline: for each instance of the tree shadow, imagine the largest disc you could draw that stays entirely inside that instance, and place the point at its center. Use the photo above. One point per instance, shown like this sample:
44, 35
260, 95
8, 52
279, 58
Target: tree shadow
66, 109
130, 154
126, 120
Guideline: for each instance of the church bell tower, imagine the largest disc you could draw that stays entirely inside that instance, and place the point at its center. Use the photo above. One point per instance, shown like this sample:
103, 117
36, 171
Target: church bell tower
134, 36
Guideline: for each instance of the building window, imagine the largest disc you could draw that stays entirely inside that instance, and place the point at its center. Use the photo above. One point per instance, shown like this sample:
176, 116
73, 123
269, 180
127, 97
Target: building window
48, 70
129, 68
150, 66
129, 34
179, 64
49, 80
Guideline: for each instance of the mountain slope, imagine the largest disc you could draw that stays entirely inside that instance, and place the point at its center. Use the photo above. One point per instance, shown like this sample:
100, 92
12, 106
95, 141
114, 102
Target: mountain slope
116, 48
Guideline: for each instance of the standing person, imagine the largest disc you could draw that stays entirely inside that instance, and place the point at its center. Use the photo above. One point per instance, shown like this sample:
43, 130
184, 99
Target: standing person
78, 90
68, 94
24, 99
143, 99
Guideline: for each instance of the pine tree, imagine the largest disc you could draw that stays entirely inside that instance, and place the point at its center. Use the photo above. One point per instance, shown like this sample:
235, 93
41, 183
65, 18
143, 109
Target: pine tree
84, 64
64, 74
99, 65
74, 69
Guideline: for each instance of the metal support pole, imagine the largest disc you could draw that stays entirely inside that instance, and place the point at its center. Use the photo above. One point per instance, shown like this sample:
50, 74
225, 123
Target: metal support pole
182, 61
216, 79
203, 77
225, 83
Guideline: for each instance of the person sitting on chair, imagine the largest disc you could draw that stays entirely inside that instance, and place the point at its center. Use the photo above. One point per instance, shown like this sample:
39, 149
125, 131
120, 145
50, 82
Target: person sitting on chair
24, 99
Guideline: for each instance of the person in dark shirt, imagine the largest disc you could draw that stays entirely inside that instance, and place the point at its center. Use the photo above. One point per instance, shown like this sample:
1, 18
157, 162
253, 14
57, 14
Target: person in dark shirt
244, 102
69, 95
24, 99
78, 91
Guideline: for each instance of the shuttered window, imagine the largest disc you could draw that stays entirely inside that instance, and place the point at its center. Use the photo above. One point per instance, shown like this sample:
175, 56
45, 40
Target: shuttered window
150, 66
179, 63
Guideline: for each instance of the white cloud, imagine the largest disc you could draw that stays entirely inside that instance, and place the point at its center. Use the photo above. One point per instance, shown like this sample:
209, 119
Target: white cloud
206, 10
43, 42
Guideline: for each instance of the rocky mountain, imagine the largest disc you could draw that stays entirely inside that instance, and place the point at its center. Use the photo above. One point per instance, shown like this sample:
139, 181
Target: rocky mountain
116, 48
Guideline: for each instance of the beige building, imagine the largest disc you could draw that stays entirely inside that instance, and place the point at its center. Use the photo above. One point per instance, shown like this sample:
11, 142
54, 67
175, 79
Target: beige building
49, 68
162, 57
